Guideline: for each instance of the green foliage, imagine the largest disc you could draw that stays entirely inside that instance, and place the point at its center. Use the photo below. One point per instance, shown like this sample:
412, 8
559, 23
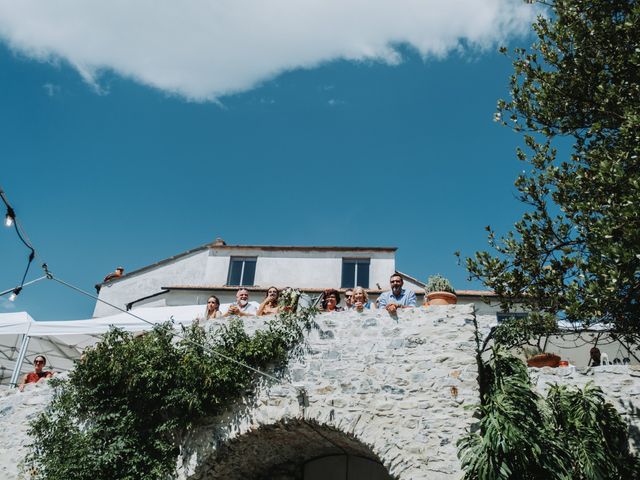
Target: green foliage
574, 434
593, 431
438, 283
518, 332
575, 251
124, 408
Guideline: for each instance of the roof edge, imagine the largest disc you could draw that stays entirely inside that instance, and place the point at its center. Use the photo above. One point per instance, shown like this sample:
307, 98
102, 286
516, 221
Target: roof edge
207, 246
411, 279
317, 248
258, 288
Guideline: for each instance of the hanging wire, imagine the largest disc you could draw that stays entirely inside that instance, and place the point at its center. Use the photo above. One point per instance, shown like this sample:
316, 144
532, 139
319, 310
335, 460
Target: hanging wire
300, 391
11, 216
4, 292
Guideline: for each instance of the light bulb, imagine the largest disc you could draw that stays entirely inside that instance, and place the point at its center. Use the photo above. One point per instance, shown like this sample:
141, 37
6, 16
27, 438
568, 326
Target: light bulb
12, 297
8, 220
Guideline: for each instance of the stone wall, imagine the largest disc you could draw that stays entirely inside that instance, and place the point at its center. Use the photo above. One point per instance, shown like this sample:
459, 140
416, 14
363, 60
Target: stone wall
392, 389
620, 385
389, 388
17, 409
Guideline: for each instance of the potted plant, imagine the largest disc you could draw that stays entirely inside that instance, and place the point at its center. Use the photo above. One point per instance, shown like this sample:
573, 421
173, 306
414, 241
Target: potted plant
537, 358
544, 360
438, 291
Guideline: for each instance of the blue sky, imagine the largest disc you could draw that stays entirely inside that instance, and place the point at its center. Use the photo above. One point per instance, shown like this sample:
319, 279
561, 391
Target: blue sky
112, 169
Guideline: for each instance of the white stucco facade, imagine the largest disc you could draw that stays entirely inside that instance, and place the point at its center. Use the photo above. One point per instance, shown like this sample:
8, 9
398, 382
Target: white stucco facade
189, 269
190, 277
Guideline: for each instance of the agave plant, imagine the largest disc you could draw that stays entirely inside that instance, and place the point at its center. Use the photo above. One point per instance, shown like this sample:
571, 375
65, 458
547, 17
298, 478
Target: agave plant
438, 283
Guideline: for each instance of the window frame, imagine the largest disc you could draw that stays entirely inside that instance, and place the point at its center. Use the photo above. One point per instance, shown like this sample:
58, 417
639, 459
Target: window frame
356, 262
502, 316
244, 260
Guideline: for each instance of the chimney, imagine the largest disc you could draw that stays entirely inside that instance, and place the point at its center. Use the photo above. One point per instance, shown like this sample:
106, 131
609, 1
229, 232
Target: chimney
219, 242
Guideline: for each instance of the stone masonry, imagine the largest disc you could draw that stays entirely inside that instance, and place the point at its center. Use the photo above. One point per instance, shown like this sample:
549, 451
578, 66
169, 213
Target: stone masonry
619, 383
392, 389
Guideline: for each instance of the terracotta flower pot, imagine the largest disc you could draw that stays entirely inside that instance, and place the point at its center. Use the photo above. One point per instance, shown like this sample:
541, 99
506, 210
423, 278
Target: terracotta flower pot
544, 360
441, 298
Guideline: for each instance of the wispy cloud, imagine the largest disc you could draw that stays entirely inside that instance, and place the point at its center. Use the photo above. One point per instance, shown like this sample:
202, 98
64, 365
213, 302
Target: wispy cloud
51, 89
5, 304
204, 49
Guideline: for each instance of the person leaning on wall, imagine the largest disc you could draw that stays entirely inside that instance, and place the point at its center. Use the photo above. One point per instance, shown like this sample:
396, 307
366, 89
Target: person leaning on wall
269, 305
211, 312
397, 297
330, 300
38, 372
360, 299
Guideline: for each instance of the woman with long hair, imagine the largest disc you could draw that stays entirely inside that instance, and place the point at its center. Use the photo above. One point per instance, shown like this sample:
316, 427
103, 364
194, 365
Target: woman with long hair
269, 305
212, 311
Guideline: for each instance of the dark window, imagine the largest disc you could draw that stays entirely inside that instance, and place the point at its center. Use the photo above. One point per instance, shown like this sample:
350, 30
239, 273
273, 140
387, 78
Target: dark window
502, 316
355, 272
242, 271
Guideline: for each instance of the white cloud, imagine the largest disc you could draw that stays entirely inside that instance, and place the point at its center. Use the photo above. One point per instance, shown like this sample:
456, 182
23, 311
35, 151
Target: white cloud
5, 304
204, 49
51, 89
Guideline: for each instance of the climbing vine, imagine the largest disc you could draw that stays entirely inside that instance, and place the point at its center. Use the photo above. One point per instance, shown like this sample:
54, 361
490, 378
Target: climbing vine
123, 410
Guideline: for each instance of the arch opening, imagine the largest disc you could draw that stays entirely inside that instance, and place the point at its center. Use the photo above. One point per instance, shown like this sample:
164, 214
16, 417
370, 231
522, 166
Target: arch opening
294, 450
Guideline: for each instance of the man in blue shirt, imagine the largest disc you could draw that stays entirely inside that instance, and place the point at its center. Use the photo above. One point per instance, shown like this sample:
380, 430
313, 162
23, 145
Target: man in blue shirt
398, 297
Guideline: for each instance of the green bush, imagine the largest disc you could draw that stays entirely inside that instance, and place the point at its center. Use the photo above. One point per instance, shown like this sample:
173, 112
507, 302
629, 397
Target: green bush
123, 410
573, 434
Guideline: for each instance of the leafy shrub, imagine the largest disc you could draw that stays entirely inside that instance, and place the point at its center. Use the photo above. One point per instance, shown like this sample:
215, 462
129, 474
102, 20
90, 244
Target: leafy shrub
122, 411
573, 434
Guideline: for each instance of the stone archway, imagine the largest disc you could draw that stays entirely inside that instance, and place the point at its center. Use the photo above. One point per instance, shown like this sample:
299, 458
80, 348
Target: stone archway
292, 450
391, 390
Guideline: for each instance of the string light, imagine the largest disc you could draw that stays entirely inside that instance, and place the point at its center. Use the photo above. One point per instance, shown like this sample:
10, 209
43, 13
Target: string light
8, 219
16, 291
26, 284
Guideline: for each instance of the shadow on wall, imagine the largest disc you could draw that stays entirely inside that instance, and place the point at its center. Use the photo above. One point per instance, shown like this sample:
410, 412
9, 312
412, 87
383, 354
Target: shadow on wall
293, 450
632, 414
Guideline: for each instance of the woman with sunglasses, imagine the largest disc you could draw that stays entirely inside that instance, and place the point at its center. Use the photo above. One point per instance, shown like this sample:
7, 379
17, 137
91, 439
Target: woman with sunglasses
38, 374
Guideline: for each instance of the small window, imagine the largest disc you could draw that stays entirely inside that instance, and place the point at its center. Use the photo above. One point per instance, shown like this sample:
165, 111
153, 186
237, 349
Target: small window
242, 271
502, 316
355, 272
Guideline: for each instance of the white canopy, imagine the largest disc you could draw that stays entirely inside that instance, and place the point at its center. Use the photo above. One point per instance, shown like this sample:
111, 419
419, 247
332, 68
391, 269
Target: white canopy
62, 342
